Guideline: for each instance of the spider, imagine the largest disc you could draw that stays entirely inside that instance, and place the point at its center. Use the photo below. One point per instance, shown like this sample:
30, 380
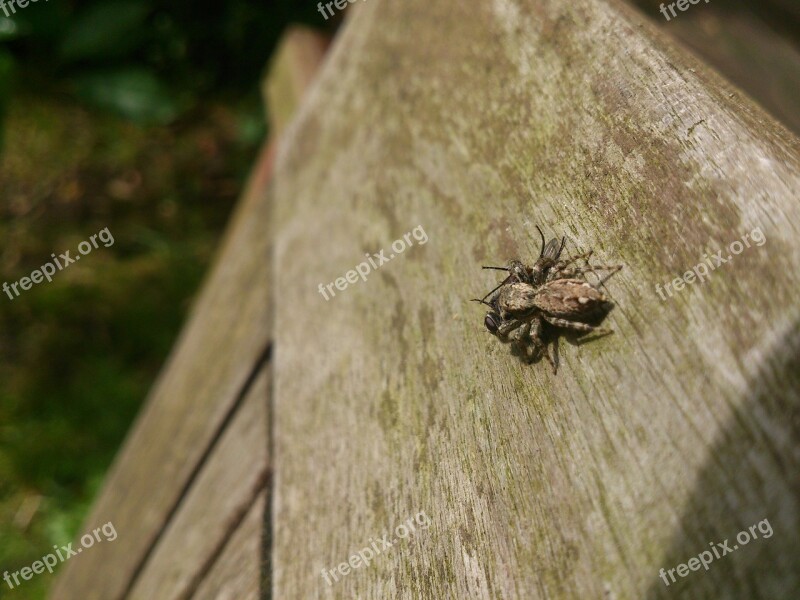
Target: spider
565, 303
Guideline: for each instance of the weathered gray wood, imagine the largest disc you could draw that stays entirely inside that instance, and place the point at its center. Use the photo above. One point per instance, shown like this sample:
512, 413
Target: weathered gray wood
224, 491
747, 50
292, 69
391, 398
236, 575
219, 349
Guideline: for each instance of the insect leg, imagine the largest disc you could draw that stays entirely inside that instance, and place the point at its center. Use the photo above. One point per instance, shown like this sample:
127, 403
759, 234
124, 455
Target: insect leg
501, 284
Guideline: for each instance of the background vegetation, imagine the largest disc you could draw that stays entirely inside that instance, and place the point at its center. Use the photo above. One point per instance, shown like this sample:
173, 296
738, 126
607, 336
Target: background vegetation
143, 117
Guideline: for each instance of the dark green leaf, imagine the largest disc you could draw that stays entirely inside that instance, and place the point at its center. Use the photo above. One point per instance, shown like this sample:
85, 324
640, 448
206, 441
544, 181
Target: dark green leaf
107, 30
134, 93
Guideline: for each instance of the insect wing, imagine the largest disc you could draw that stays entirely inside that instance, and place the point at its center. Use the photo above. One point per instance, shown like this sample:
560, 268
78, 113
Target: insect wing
552, 250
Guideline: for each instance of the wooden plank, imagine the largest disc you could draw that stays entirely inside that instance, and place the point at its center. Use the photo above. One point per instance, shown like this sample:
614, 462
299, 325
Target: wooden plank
236, 575
739, 41
392, 399
226, 337
292, 69
156, 489
222, 494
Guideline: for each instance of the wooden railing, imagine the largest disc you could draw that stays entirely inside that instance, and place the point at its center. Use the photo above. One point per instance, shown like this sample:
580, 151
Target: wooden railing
477, 122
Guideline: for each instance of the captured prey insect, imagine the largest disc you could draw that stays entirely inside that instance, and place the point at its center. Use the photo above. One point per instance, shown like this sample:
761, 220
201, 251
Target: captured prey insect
537, 274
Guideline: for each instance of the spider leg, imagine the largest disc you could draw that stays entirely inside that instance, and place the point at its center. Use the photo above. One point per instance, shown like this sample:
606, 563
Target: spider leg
569, 273
519, 346
591, 269
611, 271
575, 325
562, 264
524, 331
536, 330
507, 327
581, 272
554, 360
562, 269
538, 344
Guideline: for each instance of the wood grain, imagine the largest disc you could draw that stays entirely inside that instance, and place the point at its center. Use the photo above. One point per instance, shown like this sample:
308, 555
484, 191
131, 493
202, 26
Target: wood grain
223, 493
236, 574
680, 429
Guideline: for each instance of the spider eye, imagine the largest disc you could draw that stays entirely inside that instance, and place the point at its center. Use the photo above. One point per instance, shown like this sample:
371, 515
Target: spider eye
492, 322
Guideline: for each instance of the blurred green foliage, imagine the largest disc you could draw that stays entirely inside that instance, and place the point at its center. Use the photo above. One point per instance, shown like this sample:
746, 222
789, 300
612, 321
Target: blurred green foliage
78, 355
143, 117
147, 60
